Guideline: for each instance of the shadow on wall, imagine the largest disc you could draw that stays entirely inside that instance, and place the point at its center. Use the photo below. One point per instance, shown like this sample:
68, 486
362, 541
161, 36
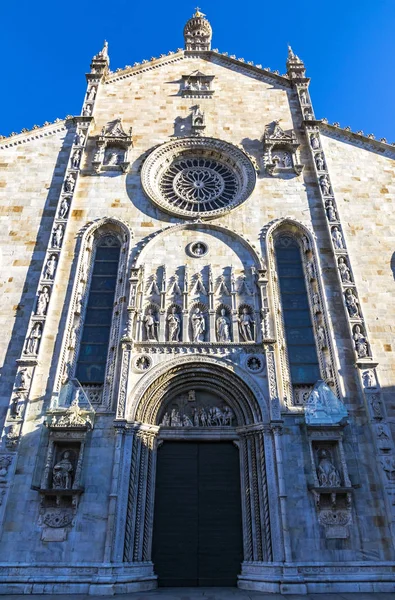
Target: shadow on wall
393, 265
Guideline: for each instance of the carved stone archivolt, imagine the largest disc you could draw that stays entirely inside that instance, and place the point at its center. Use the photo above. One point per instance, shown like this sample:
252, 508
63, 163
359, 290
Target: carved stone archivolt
202, 177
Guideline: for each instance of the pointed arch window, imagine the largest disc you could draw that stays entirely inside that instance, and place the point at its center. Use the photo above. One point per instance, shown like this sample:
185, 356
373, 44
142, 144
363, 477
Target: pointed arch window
92, 358
299, 333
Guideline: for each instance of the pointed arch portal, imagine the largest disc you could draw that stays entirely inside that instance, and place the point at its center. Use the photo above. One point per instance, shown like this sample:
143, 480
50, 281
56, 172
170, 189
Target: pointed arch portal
199, 493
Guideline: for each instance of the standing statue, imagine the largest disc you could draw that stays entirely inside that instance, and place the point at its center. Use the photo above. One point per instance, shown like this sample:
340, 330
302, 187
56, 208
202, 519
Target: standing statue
345, 273
330, 211
319, 161
69, 183
33, 341
223, 327
79, 138
246, 326
57, 236
361, 345
316, 303
303, 97
337, 238
87, 112
310, 270
151, 324
62, 473
76, 159
328, 475
173, 321
325, 185
50, 267
64, 208
91, 93
314, 141
352, 304
42, 301
321, 338
198, 325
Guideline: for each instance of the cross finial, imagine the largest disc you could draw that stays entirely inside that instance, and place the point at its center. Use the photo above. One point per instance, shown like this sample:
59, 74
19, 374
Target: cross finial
198, 13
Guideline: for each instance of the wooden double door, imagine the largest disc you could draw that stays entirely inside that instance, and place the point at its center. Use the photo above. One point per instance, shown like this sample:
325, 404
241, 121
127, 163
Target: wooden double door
197, 537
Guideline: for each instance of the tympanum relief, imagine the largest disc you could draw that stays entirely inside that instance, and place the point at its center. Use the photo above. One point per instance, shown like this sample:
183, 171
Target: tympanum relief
197, 409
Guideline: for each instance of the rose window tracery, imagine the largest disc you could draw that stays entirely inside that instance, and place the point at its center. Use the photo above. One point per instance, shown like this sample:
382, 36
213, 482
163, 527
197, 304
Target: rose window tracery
203, 177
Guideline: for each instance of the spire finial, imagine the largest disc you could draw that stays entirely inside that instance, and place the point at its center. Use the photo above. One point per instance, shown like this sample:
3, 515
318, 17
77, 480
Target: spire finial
198, 13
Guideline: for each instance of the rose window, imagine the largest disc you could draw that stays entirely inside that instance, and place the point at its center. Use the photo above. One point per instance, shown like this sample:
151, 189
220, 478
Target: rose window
201, 177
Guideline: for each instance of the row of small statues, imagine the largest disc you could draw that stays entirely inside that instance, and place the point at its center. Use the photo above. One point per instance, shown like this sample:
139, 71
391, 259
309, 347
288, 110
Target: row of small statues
198, 325
201, 417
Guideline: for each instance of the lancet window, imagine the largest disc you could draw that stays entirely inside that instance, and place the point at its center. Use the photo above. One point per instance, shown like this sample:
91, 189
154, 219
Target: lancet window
93, 350
299, 332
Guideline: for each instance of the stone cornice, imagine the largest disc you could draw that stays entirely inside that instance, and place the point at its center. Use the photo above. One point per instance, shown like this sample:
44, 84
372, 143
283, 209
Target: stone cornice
34, 134
360, 139
210, 56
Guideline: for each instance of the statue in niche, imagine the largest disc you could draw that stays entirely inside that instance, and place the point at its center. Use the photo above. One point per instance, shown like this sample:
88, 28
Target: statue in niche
246, 325
368, 379
223, 327
87, 112
306, 244
62, 473
198, 325
316, 303
310, 270
315, 142
42, 301
75, 161
50, 267
319, 161
91, 93
79, 138
308, 113
303, 97
337, 238
376, 406
328, 475
64, 208
151, 323
345, 273
23, 379
325, 185
282, 160
33, 341
321, 337
69, 183
330, 211
361, 345
97, 156
173, 321
57, 236
352, 303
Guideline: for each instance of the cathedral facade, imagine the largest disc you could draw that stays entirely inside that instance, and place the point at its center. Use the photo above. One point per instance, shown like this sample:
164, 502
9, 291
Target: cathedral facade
197, 323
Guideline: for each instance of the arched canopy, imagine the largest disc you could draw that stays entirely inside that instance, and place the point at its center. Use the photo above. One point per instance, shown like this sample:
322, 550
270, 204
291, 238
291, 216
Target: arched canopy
197, 373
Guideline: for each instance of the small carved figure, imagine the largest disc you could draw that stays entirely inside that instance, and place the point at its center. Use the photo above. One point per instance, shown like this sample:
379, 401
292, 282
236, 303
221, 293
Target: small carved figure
330, 211
42, 301
75, 161
14, 408
223, 327
57, 236
62, 473
23, 379
361, 345
91, 93
33, 341
73, 338
50, 267
382, 432
79, 138
64, 208
198, 325
186, 421
316, 303
308, 114
345, 273
314, 141
113, 158
175, 418
97, 156
69, 183
328, 475
303, 97
246, 325
198, 249
87, 111
306, 244
173, 321
352, 303
310, 270
325, 185
321, 338
368, 379
319, 161
228, 416
337, 238
166, 420
151, 323
376, 406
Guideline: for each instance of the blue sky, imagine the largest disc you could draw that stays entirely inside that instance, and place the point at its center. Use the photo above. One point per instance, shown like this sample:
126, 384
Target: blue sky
348, 47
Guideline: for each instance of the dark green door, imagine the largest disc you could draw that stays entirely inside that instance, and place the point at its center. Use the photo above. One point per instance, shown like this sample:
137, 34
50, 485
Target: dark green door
197, 524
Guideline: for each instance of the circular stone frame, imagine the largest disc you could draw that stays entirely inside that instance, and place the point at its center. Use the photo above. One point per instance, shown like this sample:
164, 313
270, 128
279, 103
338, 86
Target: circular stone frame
192, 250
140, 368
169, 155
254, 363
